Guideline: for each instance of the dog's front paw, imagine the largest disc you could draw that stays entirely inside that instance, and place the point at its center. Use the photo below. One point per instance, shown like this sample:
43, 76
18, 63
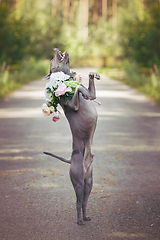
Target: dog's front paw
91, 75
94, 74
97, 76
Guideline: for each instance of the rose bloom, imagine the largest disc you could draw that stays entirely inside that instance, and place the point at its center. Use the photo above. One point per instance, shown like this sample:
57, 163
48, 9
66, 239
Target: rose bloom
62, 89
51, 109
79, 77
56, 116
45, 110
55, 119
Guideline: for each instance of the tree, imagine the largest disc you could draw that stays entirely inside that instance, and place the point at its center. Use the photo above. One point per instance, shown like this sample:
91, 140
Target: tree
14, 36
143, 38
104, 9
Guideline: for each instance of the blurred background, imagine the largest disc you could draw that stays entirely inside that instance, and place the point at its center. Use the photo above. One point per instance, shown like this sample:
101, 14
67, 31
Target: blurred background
120, 38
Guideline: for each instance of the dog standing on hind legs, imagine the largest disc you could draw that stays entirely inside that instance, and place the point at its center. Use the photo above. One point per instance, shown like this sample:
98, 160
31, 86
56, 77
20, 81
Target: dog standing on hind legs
82, 117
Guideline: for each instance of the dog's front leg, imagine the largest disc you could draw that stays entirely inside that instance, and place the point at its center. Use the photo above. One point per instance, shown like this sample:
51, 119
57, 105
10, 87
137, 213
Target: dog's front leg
74, 102
91, 88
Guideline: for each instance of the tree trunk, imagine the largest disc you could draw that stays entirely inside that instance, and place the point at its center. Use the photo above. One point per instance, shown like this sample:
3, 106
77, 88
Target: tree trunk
114, 22
54, 7
104, 8
83, 20
86, 21
72, 11
95, 12
114, 17
104, 59
132, 10
66, 11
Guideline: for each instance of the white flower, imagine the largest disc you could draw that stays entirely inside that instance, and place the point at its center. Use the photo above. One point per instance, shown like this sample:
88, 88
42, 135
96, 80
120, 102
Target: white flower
58, 77
52, 82
48, 96
55, 86
45, 110
56, 114
50, 86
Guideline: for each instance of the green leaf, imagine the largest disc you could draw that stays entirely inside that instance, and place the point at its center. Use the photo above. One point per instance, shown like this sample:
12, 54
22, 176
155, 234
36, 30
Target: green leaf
53, 98
72, 74
72, 84
48, 90
66, 99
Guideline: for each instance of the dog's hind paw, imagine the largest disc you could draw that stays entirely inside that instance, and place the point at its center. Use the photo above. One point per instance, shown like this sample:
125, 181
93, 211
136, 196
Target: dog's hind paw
87, 219
80, 222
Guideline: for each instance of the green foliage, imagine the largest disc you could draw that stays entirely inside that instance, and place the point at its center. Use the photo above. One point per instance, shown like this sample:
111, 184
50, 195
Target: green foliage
14, 37
44, 38
32, 69
142, 38
148, 84
114, 73
71, 84
101, 38
29, 31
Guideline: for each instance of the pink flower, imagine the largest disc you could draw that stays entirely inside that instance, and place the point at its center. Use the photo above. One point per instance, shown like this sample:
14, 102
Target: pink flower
45, 110
56, 116
55, 119
79, 77
51, 108
62, 89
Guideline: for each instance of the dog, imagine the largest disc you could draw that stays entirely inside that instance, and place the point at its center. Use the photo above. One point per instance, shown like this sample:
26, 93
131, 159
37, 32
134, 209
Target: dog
82, 117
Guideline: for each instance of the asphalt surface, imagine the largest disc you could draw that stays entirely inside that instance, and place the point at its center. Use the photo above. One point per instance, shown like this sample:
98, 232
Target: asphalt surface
37, 200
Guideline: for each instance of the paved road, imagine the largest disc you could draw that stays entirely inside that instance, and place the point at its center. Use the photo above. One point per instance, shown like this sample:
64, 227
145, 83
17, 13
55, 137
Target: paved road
37, 200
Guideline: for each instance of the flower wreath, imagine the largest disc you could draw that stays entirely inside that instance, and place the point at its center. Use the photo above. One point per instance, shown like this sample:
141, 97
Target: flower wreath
59, 84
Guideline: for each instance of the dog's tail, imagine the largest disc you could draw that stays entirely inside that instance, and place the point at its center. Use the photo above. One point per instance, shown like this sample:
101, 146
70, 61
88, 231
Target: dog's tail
60, 158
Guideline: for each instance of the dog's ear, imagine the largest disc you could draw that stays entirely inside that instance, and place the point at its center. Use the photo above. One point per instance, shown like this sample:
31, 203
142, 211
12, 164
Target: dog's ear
47, 77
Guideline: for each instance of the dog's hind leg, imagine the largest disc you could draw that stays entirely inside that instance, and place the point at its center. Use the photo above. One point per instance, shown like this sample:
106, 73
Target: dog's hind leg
88, 183
79, 194
79, 190
77, 179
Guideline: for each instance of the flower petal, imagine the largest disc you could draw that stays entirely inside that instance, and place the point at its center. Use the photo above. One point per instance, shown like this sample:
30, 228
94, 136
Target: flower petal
55, 119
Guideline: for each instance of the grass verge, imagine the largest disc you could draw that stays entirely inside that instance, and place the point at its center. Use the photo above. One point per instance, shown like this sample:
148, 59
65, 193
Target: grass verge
147, 83
11, 79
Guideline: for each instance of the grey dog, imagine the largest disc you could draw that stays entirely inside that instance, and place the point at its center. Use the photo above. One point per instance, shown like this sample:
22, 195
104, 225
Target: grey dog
82, 117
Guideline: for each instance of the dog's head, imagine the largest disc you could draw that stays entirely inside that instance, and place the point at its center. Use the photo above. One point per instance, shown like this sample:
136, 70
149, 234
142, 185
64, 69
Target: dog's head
60, 62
